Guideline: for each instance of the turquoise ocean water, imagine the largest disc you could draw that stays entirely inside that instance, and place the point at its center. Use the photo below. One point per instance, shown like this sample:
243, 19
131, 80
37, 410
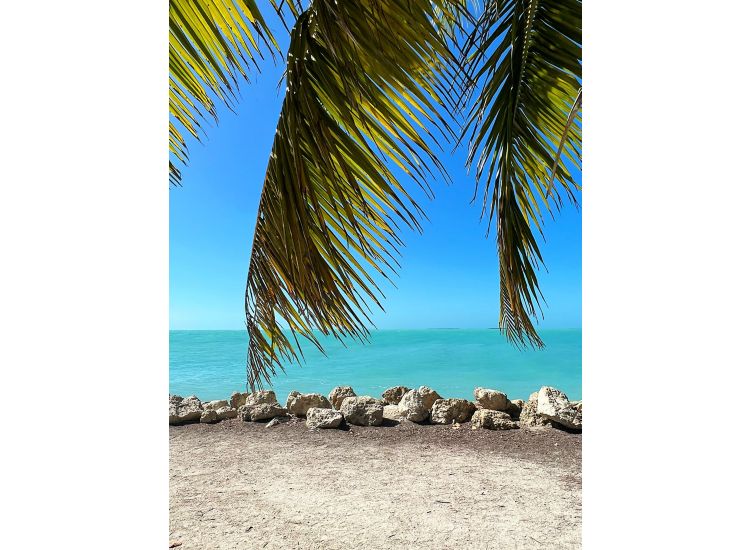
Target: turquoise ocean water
211, 364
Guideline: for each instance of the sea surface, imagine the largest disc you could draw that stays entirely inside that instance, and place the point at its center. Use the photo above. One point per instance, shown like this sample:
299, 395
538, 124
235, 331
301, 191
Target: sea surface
211, 363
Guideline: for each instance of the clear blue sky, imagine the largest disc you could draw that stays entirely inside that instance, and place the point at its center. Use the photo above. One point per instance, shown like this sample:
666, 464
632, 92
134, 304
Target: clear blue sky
449, 273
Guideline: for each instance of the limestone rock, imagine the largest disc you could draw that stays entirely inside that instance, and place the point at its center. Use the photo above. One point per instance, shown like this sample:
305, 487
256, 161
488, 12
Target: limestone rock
392, 412
416, 404
447, 411
184, 410
238, 399
260, 405
514, 409
225, 413
338, 394
298, 403
262, 397
529, 416
555, 406
214, 405
318, 417
174, 402
362, 411
278, 420
491, 399
262, 411
492, 420
392, 396
209, 416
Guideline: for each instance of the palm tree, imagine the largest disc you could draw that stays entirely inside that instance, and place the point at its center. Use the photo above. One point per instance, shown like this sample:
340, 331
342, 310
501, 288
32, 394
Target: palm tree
369, 86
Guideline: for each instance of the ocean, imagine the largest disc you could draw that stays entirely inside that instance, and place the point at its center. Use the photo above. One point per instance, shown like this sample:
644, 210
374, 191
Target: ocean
211, 363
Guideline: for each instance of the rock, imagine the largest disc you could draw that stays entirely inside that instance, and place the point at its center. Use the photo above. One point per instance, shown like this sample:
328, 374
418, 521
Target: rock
491, 399
238, 399
217, 404
209, 416
529, 416
492, 420
514, 409
362, 411
278, 420
298, 403
338, 394
262, 397
263, 411
318, 417
392, 412
260, 405
555, 406
447, 411
225, 413
416, 404
392, 396
184, 410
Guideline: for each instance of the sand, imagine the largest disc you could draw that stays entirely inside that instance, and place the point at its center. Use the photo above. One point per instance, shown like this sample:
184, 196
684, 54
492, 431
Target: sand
242, 485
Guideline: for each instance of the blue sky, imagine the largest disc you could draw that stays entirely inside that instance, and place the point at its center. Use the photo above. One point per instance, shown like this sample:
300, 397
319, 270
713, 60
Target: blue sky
449, 272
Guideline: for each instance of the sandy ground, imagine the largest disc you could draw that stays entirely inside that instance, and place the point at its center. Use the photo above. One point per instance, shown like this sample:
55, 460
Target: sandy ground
241, 485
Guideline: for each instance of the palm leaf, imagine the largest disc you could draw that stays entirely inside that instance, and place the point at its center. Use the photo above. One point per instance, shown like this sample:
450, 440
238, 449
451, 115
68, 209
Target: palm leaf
364, 91
525, 56
211, 45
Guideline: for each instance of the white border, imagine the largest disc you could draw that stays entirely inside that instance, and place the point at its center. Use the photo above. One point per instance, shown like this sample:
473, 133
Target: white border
84, 277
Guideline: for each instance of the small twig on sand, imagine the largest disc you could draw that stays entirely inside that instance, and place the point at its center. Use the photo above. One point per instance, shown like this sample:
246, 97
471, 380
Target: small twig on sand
443, 501
536, 541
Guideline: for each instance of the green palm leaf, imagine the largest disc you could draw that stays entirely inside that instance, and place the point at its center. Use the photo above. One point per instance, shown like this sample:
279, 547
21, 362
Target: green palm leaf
211, 44
364, 91
526, 57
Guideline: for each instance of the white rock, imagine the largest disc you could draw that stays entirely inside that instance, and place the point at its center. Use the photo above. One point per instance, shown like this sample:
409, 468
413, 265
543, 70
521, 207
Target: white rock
362, 410
225, 413
447, 411
238, 399
555, 406
491, 399
278, 420
392, 396
323, 418
338, 394
260, 405
529, 416
392, 412
209, 416
415, 405
492, 420
214, 405
262, 397
298, 403
184, 410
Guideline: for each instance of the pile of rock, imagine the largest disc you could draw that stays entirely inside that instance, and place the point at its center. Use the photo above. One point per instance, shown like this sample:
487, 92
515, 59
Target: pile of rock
491, 409
299, 403
495, 411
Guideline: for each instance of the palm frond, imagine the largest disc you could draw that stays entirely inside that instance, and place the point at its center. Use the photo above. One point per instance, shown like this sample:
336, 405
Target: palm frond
212, 44
364, 92
525, 58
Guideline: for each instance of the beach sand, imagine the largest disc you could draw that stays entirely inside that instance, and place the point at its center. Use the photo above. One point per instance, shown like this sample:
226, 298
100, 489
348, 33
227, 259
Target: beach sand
242, 485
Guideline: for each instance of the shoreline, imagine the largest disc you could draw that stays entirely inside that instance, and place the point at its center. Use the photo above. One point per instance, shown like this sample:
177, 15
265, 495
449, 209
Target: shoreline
491, 409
